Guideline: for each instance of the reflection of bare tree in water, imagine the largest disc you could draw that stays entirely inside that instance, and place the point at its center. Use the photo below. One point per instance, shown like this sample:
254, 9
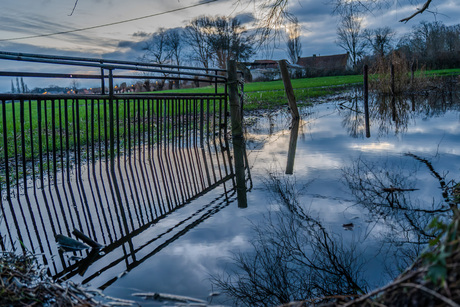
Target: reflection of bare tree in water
386, 191
294, 258
353, 115
393, 113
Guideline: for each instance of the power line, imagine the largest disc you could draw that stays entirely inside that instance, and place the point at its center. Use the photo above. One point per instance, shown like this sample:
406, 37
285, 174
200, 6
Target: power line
108, 24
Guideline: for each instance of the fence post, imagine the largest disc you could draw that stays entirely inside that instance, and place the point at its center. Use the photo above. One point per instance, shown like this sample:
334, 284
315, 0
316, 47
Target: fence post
111, 119
366, 99
5, 149
237, 134
289, 90
102, 82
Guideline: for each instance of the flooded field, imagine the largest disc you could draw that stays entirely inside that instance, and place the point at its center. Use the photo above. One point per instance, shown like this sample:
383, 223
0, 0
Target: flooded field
330, 210
361, 205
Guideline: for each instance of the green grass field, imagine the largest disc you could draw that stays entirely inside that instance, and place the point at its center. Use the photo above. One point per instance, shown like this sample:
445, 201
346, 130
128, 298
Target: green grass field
258, 95
265, 95
78, 122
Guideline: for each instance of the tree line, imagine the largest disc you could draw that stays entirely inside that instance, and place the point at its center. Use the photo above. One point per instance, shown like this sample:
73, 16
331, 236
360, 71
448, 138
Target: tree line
432, 44
208, 40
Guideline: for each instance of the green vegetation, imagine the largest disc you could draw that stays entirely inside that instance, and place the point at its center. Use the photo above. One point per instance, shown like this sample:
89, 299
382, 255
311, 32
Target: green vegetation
265, 95
85, 118
36, 128
444, 72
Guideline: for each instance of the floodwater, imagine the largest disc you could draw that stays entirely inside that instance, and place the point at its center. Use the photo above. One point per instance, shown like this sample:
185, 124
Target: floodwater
370, 196
333, 160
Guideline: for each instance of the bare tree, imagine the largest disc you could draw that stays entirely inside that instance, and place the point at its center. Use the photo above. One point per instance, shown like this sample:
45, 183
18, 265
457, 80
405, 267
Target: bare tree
174, 46
433, 44
380, 40
196, 35
349, 34
157, 50
229, 40
217, 39
273, 14
293, 43
372, 5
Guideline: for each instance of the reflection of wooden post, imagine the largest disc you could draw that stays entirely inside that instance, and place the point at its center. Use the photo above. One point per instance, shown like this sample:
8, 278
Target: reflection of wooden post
292, 147
392, 80
288, 88
393, 107
366, 100
237, 134
412, 73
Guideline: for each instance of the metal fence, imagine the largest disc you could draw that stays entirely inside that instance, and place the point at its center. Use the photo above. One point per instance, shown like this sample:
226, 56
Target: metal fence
106, 164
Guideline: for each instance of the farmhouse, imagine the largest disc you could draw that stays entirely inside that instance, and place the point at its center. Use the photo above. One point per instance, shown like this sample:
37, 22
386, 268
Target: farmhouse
322, 65
268, 70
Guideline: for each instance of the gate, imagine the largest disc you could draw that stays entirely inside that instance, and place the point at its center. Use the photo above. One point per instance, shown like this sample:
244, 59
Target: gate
112, 162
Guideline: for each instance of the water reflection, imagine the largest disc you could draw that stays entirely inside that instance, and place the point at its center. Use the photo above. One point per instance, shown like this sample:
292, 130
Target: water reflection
134, 203
391, 194
393, 114
292, 146
356, 213
295, 257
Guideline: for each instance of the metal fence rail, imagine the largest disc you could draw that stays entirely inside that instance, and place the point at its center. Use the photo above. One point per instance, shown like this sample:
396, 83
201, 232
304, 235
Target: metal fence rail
107, 165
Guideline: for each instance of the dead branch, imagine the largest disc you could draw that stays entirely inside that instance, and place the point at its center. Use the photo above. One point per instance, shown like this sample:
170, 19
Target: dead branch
433, 293
420, 11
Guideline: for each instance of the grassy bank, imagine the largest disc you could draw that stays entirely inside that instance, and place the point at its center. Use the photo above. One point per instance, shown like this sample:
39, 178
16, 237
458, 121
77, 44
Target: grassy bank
444, 72
269, 94
80, 121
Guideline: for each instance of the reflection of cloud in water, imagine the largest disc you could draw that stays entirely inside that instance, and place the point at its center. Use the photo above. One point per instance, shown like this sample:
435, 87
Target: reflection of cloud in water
373, 146
196, 251
388, 227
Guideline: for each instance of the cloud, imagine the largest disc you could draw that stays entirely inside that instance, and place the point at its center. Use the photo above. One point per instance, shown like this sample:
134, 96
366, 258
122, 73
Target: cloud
141, 34
134, 46
311, 10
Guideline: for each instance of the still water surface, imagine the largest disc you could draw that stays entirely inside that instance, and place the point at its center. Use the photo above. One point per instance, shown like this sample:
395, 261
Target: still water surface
374, 193
368, 197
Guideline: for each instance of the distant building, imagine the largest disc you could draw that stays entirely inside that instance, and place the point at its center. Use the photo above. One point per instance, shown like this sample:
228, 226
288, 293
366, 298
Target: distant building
267, 70
264, 70
328, 64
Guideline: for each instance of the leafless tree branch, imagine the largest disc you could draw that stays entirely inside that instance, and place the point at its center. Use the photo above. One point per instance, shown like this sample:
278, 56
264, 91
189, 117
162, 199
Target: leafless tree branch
75, 5
420, 11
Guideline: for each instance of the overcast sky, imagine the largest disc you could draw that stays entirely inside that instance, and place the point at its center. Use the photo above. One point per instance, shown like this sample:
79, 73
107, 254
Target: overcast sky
21, 20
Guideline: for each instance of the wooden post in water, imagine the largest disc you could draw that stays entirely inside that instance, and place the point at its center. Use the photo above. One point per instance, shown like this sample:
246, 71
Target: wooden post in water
289, 90
237, 134
366, 100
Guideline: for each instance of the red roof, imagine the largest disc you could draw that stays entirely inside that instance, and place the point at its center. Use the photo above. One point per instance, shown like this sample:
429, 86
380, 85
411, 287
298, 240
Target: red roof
264, 64
327, 62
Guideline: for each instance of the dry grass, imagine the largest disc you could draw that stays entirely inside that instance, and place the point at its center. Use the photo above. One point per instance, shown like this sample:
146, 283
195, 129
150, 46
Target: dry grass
380, 79
23, 283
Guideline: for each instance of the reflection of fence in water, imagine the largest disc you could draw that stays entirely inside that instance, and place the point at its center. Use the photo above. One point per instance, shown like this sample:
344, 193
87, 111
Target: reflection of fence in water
101, 269
162, 152
110, 165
